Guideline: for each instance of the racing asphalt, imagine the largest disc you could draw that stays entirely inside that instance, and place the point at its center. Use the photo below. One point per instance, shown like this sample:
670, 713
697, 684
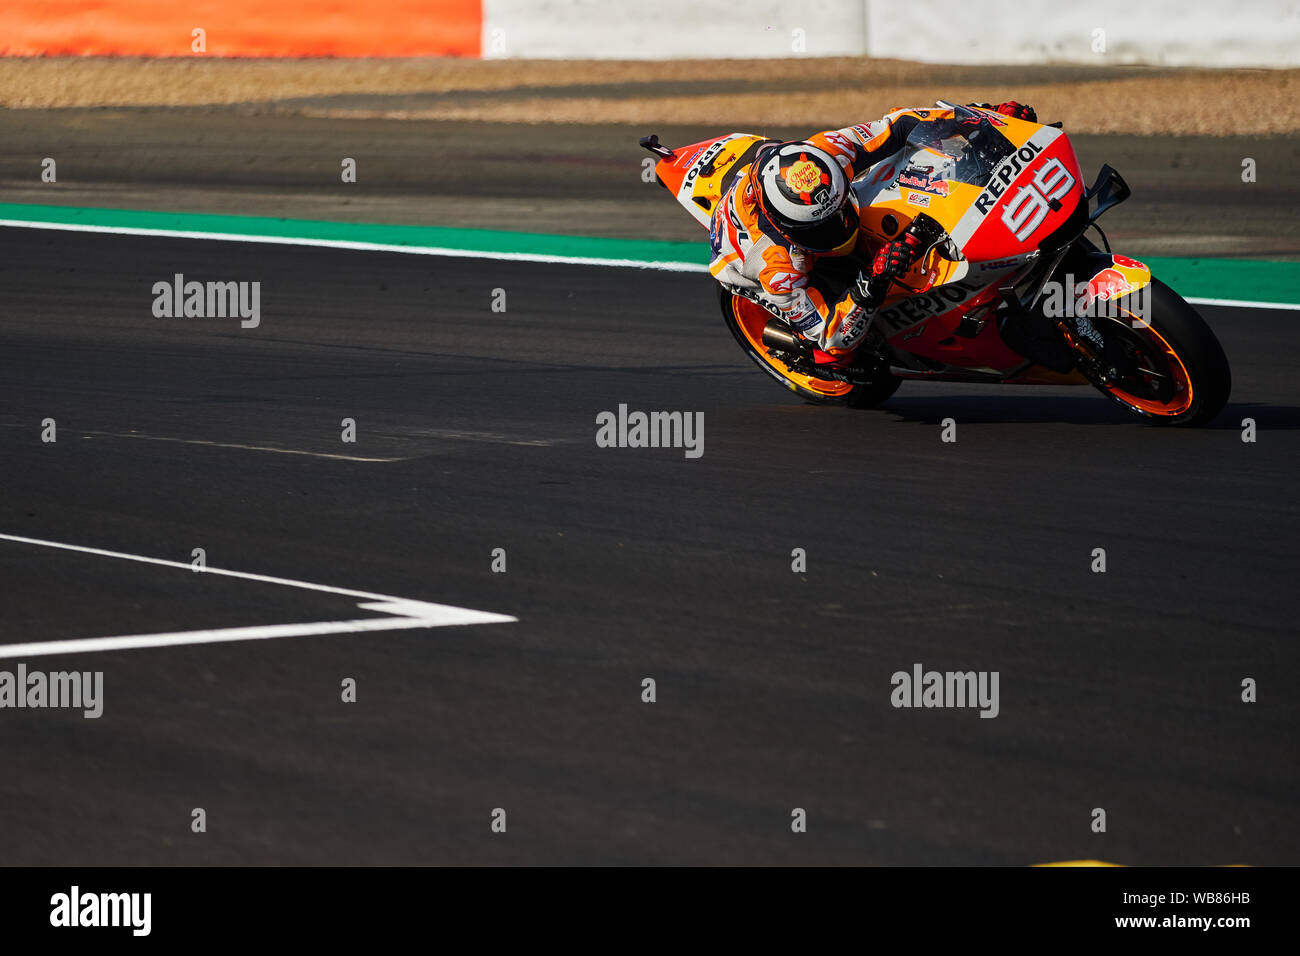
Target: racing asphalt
1119, 691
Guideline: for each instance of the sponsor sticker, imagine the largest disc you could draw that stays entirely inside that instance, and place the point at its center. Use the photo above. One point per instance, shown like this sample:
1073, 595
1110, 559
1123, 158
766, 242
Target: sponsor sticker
803, 176
1005, 174
853, 327
1107, 284
917, 308
688, 181
918, 199
914, 178
806, 322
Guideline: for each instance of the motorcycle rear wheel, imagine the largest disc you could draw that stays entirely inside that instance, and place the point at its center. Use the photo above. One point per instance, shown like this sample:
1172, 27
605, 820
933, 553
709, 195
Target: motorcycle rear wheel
746, 320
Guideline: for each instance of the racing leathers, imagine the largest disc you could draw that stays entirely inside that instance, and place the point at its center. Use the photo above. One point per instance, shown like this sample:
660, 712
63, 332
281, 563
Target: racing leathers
826, 307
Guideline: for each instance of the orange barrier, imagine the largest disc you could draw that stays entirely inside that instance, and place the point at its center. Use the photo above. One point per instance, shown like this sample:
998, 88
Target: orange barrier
242, 27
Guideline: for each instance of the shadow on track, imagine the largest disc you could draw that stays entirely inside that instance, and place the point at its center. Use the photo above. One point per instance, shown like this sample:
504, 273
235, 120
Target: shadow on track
1070, 410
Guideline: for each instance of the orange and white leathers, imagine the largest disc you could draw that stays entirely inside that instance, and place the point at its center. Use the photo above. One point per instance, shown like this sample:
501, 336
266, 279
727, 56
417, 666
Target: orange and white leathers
753, 258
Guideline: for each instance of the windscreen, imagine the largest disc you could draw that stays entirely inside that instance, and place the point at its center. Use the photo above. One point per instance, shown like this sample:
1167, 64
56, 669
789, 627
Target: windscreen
964, 148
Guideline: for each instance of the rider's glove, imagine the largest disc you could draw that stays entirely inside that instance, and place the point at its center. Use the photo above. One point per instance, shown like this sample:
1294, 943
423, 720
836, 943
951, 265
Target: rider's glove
895, 258
861, 292
892, 261
1018, 111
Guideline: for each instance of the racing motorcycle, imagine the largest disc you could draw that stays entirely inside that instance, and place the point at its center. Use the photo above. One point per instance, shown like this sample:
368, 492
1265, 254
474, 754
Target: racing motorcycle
1008, 289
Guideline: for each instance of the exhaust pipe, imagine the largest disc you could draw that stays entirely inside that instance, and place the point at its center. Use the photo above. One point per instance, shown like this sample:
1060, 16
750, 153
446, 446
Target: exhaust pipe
776, 336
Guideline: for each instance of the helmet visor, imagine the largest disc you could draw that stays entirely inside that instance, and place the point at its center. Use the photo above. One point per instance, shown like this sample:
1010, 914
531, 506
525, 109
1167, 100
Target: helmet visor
829, 235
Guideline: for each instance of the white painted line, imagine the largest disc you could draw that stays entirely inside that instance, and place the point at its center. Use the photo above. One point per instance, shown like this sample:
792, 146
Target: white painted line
470, 254
218, 444
405, 613
364, 246
93, 645
181, 565
1245, 304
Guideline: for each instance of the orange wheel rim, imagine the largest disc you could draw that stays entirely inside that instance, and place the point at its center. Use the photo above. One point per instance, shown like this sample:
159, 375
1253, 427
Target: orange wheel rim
752, 317
1182, 398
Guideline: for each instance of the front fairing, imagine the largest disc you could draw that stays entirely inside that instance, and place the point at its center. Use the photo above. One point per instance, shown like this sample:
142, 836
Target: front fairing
997, 185
1002, 189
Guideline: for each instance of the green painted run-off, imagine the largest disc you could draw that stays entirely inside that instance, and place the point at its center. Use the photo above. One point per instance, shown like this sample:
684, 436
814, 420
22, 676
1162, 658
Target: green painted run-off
1210, 278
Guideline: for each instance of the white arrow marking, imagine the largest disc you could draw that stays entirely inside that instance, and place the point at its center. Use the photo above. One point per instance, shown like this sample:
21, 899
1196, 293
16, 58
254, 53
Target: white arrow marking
406, 613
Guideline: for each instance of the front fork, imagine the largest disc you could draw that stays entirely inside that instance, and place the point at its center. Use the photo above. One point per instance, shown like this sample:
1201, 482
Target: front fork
1090, 361
1109, 278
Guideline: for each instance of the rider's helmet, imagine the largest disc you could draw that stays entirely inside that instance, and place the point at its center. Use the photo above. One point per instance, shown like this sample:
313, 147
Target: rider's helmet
803, 194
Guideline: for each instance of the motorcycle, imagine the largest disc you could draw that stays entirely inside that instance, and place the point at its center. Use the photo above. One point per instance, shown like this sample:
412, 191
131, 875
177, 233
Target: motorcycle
1008, 289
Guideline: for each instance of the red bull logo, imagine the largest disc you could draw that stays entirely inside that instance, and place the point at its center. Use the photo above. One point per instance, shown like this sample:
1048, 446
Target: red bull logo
1098, 296
1106, 284
1095, 297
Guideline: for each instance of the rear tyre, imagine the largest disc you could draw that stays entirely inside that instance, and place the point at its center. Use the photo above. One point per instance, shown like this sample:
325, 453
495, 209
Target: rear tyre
746, 320
1171, 368
874, 393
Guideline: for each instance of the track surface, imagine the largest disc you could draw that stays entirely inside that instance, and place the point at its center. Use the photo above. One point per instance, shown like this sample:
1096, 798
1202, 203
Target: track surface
1118, 690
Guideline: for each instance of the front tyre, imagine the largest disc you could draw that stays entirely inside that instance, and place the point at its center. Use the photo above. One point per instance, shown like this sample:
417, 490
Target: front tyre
1166, 367
747, 318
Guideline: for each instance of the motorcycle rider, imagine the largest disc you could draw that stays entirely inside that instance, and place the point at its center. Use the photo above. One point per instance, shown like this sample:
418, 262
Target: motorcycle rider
785, 228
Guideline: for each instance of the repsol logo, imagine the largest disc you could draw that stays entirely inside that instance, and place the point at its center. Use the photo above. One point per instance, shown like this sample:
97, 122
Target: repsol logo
918, 308
1005, 174
704, 160
759, 298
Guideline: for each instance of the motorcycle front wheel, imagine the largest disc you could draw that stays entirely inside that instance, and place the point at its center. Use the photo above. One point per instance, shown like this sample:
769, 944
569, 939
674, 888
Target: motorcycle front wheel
1165, 365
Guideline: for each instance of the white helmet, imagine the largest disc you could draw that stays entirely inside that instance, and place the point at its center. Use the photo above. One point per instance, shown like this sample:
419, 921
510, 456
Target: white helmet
805, 196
